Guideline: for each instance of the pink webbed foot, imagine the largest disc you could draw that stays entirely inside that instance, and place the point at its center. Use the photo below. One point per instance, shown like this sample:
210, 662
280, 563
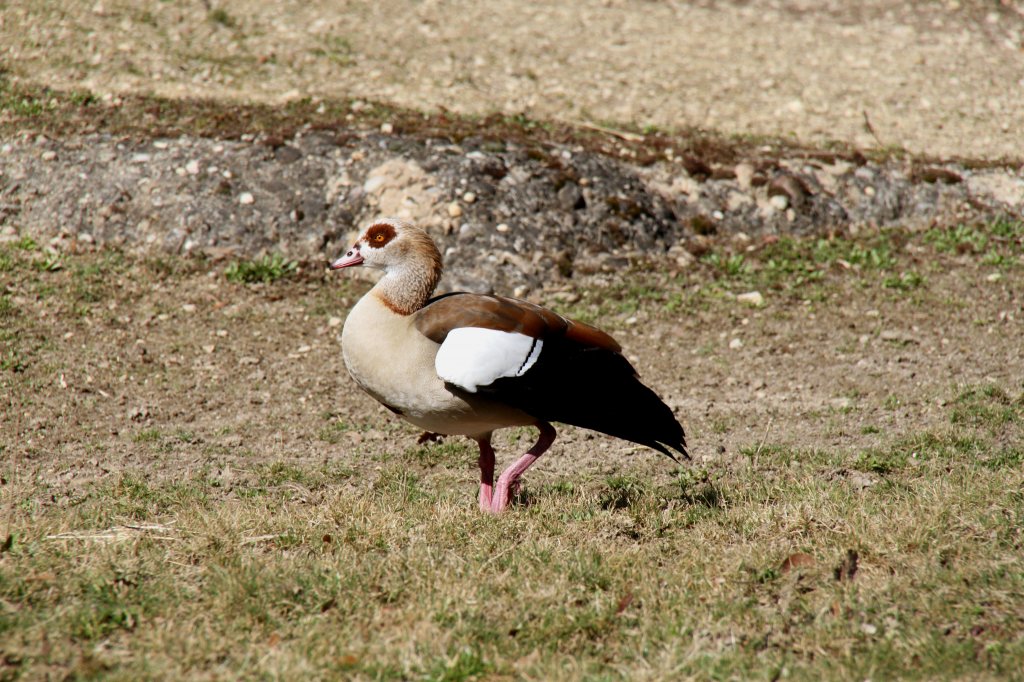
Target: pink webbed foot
508, 482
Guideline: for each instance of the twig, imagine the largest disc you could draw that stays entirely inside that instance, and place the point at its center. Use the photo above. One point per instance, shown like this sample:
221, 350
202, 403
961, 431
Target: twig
260, 538
764, 438
871, 128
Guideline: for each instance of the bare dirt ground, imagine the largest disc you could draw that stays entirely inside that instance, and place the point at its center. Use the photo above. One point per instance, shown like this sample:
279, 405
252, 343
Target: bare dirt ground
108, 348
940, 78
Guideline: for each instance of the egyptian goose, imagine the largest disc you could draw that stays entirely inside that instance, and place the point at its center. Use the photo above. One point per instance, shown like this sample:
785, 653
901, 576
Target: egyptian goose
468, 364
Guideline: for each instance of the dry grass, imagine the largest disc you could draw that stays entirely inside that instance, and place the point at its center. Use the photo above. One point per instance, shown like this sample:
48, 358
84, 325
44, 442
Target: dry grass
184, 516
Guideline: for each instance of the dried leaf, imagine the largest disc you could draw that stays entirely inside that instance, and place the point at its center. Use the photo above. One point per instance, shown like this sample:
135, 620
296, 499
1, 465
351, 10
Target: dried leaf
797, 560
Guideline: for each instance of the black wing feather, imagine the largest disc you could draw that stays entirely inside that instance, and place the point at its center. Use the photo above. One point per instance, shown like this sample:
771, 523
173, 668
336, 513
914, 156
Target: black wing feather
595, 388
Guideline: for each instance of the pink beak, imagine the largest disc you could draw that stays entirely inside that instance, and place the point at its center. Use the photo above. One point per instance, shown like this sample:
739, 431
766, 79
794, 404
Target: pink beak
349, 259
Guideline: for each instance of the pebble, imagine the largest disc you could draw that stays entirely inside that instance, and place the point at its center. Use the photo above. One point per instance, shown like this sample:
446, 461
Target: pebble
246, 198
49, 155
192, 167
189, 307
334, 322
210, 348
735, 344
502, 227
753, 298
454, 210
387, 128
469, 197
373, 183
779, 202
304, 349
994, 277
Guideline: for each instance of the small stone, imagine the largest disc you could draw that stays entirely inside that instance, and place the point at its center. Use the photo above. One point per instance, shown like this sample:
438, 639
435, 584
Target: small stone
334, 322
454, 210
735, 344
469, 197
744, 175
304, 349
374, 183
752, 298
49, 155
502, 227
387, 128
779, 202
684, 258
868, 628
994, 277
221, 333
192, 167
246, 198
520, 291
189, 307
209, 349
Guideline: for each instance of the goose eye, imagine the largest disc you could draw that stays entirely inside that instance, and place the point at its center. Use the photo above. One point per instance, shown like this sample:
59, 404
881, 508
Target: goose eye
379, 238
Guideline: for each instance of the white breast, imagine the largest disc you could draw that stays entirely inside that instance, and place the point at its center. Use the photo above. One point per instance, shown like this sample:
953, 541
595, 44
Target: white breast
471, 357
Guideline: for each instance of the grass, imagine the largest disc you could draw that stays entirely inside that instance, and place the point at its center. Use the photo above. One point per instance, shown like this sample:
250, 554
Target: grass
257, 541
402, 581
267, 269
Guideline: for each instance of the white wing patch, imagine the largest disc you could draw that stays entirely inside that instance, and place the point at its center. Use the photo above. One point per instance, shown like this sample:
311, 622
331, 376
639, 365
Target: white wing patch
471, 357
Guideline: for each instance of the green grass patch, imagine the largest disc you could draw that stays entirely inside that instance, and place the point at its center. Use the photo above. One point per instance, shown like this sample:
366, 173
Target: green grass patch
987, 406
267, 269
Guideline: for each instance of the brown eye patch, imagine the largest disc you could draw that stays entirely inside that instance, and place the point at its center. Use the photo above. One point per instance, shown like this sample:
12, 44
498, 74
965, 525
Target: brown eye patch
379, 235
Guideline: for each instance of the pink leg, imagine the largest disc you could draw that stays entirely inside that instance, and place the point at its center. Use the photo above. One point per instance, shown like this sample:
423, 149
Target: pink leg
486, 472
509, 478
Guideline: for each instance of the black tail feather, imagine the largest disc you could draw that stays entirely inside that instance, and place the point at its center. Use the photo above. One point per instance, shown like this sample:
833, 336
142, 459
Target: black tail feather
597, 389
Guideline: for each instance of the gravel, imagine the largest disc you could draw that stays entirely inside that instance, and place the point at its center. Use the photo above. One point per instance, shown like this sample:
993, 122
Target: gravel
536, 215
